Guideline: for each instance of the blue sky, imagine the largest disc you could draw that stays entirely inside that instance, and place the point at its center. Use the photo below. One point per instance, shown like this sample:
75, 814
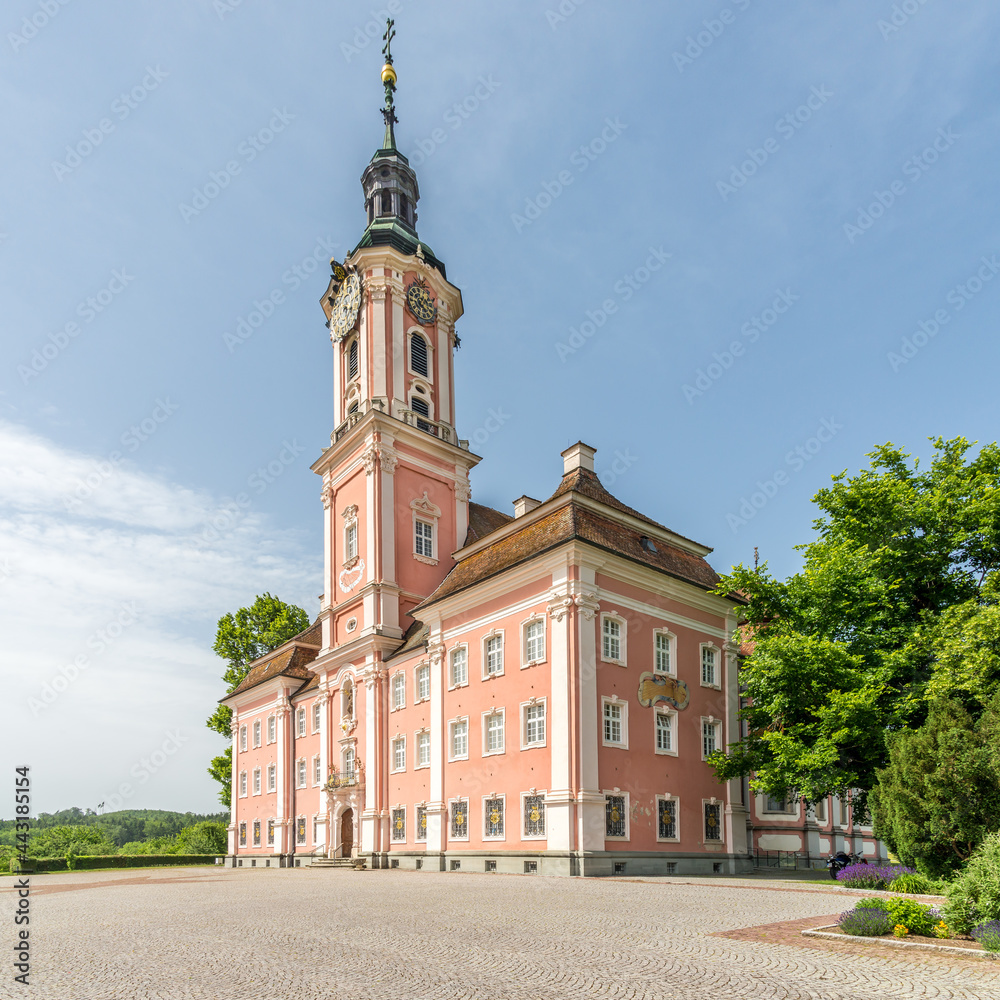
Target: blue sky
623, 193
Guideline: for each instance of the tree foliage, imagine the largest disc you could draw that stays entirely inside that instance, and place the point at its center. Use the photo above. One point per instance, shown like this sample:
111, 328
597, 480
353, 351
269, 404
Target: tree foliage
240, 639
939, 796
896, 604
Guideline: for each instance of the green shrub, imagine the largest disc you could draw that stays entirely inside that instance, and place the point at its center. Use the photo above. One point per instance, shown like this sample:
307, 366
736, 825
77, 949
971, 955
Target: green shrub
865, 921
870, 903
915, 917
974, 895
914, 883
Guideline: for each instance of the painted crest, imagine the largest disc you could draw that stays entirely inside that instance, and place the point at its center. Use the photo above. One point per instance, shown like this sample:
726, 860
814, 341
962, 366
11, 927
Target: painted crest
654, 688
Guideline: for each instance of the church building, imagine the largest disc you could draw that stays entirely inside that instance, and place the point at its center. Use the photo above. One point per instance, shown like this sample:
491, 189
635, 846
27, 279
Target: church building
535, 691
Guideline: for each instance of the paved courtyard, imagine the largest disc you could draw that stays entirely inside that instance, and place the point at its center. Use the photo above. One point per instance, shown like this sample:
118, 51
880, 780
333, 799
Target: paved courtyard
264, 934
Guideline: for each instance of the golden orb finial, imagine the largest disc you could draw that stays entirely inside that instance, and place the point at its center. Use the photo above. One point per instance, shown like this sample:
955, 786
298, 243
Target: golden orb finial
389, 74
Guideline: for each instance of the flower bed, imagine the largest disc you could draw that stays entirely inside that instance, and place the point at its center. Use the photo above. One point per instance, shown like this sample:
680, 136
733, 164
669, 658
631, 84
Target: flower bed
871, 876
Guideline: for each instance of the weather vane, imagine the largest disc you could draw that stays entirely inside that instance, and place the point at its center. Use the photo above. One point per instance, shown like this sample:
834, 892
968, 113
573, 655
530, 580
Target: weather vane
389, 79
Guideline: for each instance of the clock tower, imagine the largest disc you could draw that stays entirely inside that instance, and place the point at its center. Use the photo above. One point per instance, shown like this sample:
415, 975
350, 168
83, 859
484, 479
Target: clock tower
396, 475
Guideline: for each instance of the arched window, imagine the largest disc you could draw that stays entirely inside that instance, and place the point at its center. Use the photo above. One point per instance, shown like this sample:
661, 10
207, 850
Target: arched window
349, 763
404, 208
387, 203
352, 360
418, 354
370, 207
353, 408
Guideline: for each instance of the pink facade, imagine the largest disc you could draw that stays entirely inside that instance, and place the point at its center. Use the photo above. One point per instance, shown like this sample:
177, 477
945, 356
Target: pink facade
480, 691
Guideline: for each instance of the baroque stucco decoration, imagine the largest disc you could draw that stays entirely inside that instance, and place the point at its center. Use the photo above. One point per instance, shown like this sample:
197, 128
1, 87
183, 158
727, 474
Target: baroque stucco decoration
654, 688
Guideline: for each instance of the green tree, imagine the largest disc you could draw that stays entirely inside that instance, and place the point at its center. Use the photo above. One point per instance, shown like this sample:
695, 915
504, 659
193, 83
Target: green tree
203, 838
240, 639
896, 589
59, 841
939, 796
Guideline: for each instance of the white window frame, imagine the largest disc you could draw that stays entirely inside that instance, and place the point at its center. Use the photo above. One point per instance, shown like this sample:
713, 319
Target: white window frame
621, 794
496, 633
300, 839
256, 780
317, 771
613, 616
417, 746
492, 837
317, 715
243, 738
672, 717
493, 713
256, 827
820, 818
257, 731
671, 652
525, 706
399, 738
677, 819
393, 839
722, 820
417, 838
272, 777
717, 669
272, 729
716, 724
270, 833
300, 722
452, 683
301, 773
351, 541
457, 838
526, 660
409, 354
349, 753
425, 510
243, 784
452, 725
316, 839
398, 698
615, 700
243, 833
421, 669
534, 793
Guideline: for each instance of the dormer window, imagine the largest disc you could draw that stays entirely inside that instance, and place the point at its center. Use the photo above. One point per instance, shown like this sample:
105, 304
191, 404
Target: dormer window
647, 544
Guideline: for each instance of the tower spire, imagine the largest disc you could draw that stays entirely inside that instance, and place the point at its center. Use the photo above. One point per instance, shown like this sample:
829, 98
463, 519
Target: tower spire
389, 81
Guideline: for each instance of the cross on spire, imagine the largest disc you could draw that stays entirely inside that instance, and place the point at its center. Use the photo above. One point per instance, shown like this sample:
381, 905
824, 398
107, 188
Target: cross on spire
389, 80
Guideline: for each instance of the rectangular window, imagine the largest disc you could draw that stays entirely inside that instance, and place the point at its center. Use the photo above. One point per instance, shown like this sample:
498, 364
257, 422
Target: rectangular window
534, 815
845, 810
666, 821
270, 729
614, 816
665, 732
423, 682
398, 690
661, 654
709, 738
423, 749
399, 754
317, 771
301, 772
820, 810
494, 655
493, 816
399, 825
613, 722
317, 711
460, 819
300, 830
421, 834
256, 781
708, 666
272, 773
243, 783
775, 805
713, 822
243, 738
494, 732
256, 733
351, 541
270, 833
534, 642
460, 739
423, 541
243, 835
256, 833
612, 639
300, 717
459, 666
534, 725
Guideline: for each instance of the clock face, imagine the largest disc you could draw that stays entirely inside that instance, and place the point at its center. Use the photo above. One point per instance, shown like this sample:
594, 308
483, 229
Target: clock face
345, 307
422, 305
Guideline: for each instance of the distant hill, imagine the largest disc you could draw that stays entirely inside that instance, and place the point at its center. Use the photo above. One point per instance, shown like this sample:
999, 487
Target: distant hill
122, 827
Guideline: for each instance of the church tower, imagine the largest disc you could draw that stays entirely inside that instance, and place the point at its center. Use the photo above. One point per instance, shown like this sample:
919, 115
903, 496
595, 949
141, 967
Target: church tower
396, 475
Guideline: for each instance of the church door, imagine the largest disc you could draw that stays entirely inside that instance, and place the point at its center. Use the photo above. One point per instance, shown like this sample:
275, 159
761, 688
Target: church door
347, 833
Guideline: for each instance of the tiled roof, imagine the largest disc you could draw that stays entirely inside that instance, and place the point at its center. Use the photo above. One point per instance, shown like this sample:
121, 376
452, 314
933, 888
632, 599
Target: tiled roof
576, 521
288, 660
414, 638
483, 520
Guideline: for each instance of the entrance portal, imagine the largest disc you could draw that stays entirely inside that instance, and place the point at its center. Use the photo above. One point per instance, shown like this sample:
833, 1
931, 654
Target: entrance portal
347, 833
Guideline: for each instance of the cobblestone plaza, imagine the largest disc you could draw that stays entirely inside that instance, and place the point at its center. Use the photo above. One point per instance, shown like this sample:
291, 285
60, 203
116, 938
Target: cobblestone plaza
264, 934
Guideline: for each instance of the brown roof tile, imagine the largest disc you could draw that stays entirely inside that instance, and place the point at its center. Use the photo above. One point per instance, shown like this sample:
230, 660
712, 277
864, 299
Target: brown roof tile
289, 660
414, 638
483, 520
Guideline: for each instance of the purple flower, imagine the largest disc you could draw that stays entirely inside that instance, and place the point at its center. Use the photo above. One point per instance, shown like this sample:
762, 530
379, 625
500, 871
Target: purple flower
870, 921
871, 876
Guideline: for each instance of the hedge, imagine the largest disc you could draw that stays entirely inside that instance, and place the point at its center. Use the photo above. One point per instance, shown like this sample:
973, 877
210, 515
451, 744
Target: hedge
86, 861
